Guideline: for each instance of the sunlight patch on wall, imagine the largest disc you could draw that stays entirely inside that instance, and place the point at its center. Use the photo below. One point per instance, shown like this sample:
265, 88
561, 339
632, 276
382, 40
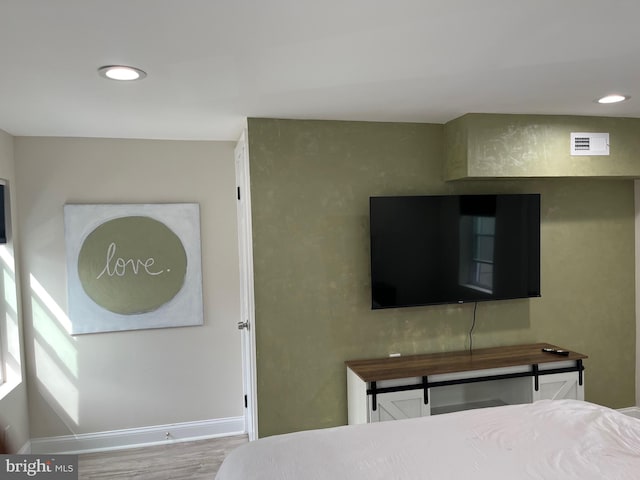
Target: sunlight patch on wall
54, 309
56, 357
50, 334
58, 386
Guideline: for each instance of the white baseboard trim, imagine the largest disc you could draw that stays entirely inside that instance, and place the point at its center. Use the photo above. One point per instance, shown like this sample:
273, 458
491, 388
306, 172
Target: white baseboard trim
138, 437
631, 411
26, 449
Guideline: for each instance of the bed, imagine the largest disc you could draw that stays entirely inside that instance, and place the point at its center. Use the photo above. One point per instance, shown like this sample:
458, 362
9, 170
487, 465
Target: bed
548, 439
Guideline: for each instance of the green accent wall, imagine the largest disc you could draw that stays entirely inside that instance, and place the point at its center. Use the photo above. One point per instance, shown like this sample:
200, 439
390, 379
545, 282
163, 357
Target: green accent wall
310, 187
481, 145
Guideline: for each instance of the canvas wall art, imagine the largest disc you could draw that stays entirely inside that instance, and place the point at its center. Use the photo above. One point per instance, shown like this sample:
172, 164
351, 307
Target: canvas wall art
133, 266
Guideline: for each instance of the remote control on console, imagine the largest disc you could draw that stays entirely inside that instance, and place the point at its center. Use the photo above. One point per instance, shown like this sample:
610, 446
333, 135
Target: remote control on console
556, 351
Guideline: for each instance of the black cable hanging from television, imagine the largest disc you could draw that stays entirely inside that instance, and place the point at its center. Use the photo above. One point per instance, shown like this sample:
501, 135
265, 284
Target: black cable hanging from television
473, 325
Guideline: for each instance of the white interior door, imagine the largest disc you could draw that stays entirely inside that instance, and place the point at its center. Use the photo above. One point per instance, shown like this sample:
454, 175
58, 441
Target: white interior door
246, 325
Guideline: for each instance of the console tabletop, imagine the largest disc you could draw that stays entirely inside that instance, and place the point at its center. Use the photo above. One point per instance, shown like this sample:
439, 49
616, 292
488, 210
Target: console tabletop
377, 369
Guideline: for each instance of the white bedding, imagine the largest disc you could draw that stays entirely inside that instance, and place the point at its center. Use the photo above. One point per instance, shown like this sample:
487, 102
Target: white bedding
549, 439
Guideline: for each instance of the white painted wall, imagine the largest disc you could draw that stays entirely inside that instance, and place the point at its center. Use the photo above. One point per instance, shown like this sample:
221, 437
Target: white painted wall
14, 420
112, 381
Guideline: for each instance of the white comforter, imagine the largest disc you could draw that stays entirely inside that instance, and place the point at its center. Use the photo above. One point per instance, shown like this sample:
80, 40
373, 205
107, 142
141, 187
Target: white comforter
549, 439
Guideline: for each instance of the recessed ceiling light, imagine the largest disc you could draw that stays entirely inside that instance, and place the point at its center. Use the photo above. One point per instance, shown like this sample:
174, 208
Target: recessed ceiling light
121, 72
615, 98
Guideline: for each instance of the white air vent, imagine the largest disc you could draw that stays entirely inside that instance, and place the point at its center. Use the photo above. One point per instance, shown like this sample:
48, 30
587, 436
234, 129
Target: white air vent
589, 143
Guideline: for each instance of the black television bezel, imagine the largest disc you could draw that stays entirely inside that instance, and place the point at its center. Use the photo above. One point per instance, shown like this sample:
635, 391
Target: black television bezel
463, 300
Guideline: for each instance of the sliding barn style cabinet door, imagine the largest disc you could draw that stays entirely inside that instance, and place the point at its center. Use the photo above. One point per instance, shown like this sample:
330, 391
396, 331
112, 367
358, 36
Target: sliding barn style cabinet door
559, 386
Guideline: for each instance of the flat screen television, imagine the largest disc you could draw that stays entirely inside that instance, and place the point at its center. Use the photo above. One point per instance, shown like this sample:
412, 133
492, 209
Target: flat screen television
439, 249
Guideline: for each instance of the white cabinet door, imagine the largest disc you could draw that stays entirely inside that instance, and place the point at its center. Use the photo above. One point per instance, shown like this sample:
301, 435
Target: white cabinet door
398, 405
559, 386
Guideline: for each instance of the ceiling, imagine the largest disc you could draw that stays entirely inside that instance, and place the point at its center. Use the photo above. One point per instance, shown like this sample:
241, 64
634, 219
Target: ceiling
212, 63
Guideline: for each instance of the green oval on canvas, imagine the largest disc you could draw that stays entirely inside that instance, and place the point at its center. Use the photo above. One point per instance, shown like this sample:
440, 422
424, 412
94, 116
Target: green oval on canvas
132, 265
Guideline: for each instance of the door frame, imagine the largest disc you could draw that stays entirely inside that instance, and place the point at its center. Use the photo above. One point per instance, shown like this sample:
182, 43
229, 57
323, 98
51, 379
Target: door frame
247, 303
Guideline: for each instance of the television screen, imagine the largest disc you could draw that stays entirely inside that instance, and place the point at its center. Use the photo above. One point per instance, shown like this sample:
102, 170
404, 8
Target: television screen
438, 249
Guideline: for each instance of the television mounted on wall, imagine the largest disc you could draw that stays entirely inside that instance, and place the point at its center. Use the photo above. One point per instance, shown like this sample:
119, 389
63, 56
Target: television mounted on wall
440, 249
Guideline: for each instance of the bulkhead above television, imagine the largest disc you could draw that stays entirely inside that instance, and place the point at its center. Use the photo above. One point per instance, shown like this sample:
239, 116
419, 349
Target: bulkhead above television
437, 249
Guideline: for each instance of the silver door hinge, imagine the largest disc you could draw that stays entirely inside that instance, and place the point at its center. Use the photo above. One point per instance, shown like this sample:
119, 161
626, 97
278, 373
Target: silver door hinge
243, 325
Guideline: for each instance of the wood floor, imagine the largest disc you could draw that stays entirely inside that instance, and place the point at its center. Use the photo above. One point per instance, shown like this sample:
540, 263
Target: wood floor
180, 461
